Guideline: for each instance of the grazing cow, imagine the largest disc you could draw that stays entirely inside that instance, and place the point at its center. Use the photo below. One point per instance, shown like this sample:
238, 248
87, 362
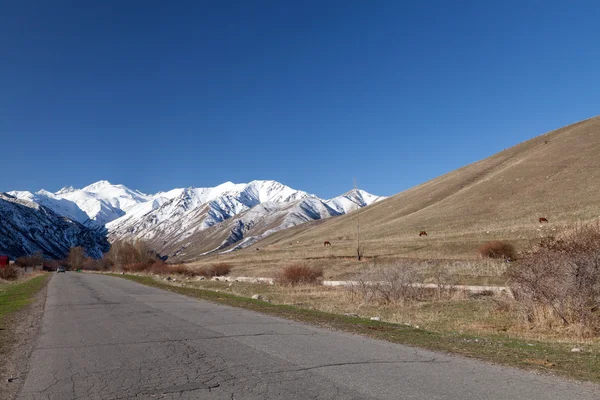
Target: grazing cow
423, 233
326, 243
542, 219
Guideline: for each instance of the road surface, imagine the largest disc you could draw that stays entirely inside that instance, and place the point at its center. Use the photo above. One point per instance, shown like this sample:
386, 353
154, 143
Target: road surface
109, 338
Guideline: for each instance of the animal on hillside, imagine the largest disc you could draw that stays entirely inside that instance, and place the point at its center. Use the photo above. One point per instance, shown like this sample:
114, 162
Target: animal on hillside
326, 243
423, 233
542, 219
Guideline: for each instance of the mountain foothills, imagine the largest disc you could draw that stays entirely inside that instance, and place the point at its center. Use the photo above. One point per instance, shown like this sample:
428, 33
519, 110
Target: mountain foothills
554, 176
181, 223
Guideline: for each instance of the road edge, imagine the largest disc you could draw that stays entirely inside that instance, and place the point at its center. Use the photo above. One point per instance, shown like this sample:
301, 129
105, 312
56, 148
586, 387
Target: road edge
517, 353
24, 334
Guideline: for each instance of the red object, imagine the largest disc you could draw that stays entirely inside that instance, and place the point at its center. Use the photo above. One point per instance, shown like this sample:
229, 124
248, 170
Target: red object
3, 261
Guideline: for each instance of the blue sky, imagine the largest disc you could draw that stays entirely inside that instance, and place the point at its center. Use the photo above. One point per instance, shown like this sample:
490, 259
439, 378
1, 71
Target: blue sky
157, 95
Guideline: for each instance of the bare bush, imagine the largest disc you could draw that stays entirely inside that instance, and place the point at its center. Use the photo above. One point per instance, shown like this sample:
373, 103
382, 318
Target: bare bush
123, 252
96, 265
9, 273
30, 261
76, 258
296, 274
388, 284
220, 269
497, 249
558, 281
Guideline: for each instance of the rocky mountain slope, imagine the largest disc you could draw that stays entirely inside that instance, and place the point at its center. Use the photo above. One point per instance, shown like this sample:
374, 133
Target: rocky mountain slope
27, 227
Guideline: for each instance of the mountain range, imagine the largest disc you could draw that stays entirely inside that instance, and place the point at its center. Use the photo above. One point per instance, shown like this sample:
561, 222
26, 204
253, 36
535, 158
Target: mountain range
180, 223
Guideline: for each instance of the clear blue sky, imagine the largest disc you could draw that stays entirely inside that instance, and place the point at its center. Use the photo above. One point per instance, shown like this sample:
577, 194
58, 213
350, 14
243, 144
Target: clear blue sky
157, 95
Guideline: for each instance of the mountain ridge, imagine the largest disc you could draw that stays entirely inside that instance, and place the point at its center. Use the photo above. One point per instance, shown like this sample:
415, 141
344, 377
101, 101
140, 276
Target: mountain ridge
168, 219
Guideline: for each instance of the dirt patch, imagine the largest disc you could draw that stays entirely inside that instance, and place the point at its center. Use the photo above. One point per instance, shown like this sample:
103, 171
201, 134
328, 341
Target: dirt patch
17, 341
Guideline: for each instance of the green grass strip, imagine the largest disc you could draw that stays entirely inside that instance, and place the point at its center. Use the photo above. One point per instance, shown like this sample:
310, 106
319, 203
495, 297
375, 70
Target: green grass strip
15, 296
550, 357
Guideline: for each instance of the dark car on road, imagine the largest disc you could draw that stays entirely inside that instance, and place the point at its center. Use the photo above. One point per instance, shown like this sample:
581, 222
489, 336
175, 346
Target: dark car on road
60, 269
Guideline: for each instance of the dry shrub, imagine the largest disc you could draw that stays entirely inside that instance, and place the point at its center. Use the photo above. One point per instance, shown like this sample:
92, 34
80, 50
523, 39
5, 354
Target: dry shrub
95, 265
296, 274
181, 269
221, 269
497, 249
137, 267
388, 285
557, 283
9, 273
30, 261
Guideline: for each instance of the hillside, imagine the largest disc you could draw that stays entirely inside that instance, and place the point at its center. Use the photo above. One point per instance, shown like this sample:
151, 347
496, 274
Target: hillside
28, 227
555, 175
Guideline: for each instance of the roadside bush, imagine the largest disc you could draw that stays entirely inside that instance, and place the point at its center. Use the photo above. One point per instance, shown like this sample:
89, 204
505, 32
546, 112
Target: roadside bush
96, 265
388, 285
137, 267
221, 269
497, 249
31, 261
296, 274
9, 273
557, 283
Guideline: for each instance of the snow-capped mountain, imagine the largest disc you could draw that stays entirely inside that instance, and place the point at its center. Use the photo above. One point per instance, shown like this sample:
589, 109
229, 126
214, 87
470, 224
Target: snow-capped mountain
182, 212
249, 227
196, 219
28, 227
94, 205
353, 200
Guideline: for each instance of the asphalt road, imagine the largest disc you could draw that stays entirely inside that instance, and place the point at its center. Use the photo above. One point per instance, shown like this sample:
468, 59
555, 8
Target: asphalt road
108, 338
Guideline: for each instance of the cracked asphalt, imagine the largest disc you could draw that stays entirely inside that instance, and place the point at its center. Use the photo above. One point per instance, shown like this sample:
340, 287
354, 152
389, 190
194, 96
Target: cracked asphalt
109, 338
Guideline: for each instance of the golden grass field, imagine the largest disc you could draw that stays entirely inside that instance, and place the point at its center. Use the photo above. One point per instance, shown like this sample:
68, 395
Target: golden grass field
555, 175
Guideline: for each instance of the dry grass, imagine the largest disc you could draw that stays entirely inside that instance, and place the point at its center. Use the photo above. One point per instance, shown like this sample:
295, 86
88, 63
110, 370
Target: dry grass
499, 198
469, 272
457, 312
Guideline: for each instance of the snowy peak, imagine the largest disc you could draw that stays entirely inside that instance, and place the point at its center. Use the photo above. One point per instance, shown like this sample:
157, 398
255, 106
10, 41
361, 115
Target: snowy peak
95, 205
353, 200
66, 189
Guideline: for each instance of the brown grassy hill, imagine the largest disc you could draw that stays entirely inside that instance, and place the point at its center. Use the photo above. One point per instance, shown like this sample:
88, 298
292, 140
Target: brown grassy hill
555, 175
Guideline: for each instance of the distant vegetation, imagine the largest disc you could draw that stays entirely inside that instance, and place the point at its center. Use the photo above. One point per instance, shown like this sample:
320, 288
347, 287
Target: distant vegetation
138, 257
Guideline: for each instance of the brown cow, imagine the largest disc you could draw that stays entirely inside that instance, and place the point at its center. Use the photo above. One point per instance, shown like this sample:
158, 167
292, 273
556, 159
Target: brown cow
423, 233
542, 219
326, 243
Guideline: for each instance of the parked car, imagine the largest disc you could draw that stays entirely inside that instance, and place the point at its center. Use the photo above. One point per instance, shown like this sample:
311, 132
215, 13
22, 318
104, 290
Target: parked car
60, 269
